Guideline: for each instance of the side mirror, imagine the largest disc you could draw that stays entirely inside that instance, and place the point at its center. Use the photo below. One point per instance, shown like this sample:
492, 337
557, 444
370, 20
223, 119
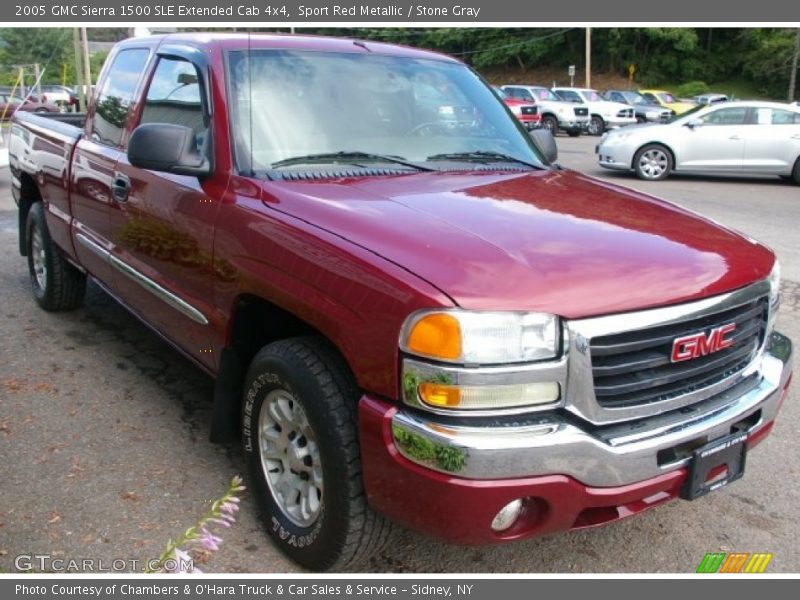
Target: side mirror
169, 148
694, 123
546, 143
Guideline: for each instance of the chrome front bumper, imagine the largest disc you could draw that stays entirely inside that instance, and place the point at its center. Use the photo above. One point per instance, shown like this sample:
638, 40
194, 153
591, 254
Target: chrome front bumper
601, 456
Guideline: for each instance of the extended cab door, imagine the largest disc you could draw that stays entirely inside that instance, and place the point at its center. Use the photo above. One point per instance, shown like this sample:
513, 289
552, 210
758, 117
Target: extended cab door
94, 160
163, 229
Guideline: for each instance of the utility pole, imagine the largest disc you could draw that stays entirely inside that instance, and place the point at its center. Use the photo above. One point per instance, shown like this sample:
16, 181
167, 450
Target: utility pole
588, 57
76, 43
793, 74
36, 82
87, 73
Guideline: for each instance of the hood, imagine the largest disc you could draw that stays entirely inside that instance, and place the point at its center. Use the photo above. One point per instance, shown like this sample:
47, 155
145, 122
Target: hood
608, 106
680, 107
552, 241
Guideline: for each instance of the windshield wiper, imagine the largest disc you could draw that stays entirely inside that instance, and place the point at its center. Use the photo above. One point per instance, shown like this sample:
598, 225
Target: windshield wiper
482, 156
349, 158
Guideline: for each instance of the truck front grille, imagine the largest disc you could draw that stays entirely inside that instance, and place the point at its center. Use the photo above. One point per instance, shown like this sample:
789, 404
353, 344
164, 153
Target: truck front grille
529, 110
581, 112
635, 368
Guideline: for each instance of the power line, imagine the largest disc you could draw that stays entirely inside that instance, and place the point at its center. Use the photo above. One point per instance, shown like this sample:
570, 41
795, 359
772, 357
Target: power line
520, 43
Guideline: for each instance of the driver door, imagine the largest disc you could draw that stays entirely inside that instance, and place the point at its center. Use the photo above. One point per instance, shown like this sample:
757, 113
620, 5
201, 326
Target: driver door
716, 142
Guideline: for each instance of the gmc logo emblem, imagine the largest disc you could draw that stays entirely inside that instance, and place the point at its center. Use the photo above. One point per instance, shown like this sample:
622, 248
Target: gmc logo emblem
702, 344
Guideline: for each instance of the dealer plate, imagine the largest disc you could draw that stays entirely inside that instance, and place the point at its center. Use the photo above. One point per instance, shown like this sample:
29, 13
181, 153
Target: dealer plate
715, 465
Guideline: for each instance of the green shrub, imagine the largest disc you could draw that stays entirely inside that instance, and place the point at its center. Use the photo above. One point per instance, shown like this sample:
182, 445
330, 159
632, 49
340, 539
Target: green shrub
691, 88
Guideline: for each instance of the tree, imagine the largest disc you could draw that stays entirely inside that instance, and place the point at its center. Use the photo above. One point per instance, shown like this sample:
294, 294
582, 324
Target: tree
50, 47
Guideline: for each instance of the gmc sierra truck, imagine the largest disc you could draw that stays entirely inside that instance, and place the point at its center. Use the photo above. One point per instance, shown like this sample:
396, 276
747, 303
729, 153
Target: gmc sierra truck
412, 313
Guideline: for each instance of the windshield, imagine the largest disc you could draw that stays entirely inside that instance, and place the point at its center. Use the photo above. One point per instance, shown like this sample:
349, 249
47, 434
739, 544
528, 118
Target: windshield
592, 96
683, 116
341, 107
635, 98
544, 94
666, 97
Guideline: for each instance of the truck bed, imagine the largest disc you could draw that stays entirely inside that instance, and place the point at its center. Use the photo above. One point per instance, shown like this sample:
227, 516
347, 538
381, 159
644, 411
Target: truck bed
68, 125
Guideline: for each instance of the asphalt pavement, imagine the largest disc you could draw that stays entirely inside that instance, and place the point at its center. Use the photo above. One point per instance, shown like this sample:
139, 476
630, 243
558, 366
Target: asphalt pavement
104, 451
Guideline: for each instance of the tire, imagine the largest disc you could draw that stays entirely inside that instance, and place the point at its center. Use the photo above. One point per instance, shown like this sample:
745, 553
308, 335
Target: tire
56, 284
796, 171
41, 110
551, 123
653, 162
596, 125
640, 119
303, 385
574, 133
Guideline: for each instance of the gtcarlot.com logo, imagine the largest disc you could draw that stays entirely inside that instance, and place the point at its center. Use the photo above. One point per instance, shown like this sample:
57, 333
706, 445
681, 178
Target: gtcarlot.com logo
734, 562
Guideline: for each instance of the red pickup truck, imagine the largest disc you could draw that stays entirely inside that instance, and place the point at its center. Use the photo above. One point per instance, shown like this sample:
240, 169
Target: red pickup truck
412, 313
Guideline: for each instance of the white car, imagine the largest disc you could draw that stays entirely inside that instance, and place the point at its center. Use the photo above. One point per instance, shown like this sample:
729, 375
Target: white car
603, 114
733, 137
556, 114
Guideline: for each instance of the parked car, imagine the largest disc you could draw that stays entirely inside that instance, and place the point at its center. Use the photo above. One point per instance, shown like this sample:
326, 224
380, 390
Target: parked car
11, 104
406, 322
710, 98
667, 100
644, 109
526, 112
603, 114
556, 114
59, 94
760, 138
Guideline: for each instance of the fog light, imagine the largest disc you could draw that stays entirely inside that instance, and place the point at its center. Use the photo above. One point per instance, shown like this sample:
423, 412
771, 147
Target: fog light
507, 515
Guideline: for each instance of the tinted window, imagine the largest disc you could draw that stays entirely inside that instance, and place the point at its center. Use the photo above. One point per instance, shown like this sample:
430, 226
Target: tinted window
174, 97
727, 116
785, 117
519, 93
569, 96
114, 100
651, 98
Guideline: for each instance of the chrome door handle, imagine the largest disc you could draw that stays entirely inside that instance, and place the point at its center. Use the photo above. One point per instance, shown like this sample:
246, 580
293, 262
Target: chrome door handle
734, 137
796, 136
121, 188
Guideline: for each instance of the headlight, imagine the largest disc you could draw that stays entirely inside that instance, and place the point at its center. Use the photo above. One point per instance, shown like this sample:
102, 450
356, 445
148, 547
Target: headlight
774, 285
616, 137
774, 280
468, 338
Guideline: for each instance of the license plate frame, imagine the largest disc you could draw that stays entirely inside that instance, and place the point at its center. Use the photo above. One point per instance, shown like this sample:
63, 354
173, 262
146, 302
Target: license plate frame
730, 451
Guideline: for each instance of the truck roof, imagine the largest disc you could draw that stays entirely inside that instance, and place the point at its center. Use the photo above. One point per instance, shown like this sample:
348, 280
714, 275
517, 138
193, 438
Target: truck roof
238, 41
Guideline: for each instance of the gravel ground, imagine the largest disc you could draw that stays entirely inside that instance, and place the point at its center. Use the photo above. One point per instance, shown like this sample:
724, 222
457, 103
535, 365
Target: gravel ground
103, 435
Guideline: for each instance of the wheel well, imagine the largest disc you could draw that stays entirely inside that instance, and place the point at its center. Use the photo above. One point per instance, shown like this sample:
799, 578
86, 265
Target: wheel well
28, 195
255, 322
667, 148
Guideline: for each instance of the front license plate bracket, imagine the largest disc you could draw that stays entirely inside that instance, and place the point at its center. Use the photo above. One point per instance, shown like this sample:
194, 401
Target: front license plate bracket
715, 465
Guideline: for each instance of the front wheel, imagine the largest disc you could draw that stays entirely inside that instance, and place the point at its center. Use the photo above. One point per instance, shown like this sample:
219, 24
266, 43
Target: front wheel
652, 162
796, 171
574, 133
550, 123
596, 126
301, 444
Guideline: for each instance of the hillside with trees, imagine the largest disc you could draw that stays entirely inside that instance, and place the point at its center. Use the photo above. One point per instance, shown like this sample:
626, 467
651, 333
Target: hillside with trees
762, 58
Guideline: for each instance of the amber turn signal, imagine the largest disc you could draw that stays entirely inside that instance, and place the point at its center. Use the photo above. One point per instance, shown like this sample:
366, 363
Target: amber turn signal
437, 335
435, 394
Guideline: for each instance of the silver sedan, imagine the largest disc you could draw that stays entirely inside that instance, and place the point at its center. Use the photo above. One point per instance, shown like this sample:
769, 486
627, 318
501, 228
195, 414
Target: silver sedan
735, 137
